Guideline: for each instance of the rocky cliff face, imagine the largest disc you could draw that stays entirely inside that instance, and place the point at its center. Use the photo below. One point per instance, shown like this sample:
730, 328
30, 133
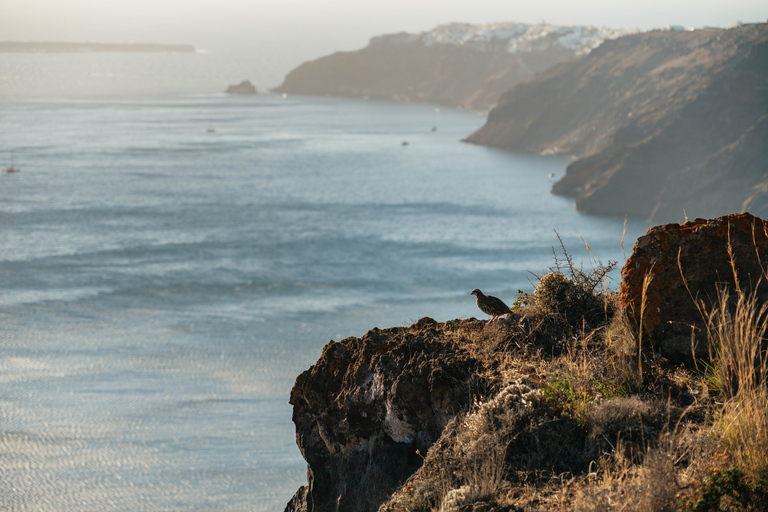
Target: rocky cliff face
461, 65
663, 122
369, 409
676, 271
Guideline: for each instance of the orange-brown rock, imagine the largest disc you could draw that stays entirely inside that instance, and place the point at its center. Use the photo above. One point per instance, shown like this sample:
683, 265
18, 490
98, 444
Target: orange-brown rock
371, 407
685, 265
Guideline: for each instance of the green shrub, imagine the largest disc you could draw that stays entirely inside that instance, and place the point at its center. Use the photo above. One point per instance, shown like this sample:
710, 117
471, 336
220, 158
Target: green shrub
578, 298
727, 490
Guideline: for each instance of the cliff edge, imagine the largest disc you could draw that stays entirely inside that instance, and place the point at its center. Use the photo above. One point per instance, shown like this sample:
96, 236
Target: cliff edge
370, 407
664, 123
561, 405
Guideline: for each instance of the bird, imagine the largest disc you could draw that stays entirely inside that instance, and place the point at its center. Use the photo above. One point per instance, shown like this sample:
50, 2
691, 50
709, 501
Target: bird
490, 305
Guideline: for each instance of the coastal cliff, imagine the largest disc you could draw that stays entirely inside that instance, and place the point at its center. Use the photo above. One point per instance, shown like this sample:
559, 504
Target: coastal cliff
368, 409
664, 123
459, 65
561, 405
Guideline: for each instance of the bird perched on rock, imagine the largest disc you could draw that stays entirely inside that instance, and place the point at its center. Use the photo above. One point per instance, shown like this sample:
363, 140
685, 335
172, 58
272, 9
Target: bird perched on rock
490, 305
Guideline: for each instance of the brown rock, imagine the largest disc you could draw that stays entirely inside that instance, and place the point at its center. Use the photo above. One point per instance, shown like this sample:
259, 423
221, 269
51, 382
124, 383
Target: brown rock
299, 500
686, 265
369, 404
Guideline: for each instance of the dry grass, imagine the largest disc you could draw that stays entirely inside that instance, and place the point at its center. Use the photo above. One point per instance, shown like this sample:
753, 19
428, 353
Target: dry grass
480, 478
585, 418
618, 482
623, 349
737, 332
621, 485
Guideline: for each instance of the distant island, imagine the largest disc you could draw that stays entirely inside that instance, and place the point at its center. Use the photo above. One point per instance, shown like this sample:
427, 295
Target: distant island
244, 88
59, 47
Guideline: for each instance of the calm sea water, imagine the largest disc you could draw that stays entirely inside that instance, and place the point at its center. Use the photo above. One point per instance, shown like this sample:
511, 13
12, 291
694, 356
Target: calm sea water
161, 286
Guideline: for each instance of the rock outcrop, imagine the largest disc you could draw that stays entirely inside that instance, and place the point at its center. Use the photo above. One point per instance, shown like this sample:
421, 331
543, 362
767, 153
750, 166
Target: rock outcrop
460, 65
663, 123
245, 88
676, 271
521, 413
370, 407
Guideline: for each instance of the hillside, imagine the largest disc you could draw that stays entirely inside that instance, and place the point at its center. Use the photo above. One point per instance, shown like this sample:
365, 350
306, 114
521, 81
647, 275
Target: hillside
460, 65
576, 400
664, 123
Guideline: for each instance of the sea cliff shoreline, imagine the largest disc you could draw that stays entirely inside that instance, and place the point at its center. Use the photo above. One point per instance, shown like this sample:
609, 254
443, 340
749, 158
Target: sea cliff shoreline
662, 124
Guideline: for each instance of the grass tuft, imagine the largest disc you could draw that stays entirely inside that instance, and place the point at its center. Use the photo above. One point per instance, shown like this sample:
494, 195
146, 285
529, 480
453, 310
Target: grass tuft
737, 330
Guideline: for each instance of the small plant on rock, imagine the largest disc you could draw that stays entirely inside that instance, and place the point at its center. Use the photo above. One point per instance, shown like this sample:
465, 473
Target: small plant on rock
727, 490
578, 298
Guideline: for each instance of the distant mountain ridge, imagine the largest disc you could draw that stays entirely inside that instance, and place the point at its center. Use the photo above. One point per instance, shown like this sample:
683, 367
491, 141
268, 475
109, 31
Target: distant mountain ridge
666, 123
458, 64
62, 47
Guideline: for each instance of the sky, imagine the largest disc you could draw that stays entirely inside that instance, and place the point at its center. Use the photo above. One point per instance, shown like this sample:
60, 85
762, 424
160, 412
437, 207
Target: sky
293, 31
347, 24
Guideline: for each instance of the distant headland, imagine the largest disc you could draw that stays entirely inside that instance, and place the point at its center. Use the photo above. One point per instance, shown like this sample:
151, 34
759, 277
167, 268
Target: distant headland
457, 64
663, 124
59, 47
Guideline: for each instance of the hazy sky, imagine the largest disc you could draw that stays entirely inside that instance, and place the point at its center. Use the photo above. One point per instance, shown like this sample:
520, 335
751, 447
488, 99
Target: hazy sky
281, 34
342, 24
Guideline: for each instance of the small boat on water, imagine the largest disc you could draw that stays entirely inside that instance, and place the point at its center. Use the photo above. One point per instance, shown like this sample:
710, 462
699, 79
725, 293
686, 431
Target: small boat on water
11, 169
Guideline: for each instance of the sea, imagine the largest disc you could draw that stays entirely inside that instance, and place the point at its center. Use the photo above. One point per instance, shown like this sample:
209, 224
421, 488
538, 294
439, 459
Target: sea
169, 263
